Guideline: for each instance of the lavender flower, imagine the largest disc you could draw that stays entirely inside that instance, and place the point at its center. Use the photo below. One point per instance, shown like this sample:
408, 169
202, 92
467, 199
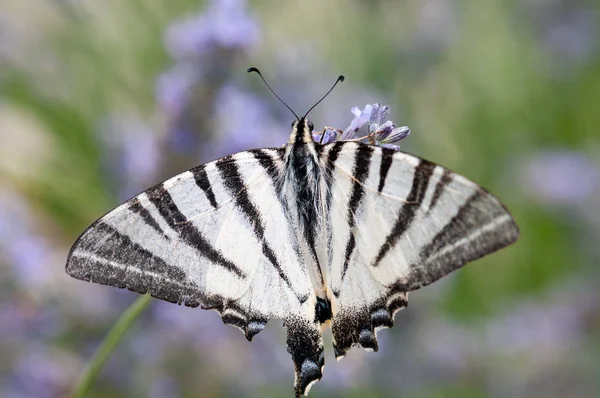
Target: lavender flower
165, 387
40, 372
20, 245
135, 146
173, 86
225, 24
203, 46
252, 125
562, 177
328, 136
382, 132
360, 118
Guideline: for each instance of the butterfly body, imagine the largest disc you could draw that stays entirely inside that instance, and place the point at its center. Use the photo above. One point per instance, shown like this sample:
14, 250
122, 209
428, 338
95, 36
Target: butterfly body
316, 235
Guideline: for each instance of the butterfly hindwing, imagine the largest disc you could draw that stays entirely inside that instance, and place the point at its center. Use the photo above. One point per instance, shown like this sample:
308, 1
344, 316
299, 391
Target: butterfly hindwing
398, 223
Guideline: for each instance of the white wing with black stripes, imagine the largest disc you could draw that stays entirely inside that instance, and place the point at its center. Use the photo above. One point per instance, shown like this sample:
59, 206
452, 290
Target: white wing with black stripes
199, 239
399, 223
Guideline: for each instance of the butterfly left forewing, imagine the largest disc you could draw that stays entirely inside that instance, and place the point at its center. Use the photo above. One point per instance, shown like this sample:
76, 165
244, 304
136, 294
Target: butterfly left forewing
206, 237
399, 223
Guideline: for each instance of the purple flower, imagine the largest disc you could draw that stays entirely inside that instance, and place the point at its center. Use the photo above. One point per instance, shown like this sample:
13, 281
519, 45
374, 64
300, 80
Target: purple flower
173, 86
40, 372
330, 135
360, 118
27, 252
242, 121
568, 34
132, 149
382, 132
202, 46
562, 177
29, 255
165, 387
225, 23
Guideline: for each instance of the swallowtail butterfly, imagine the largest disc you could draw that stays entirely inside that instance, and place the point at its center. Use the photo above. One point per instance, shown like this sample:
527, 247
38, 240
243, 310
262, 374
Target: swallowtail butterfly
315, 234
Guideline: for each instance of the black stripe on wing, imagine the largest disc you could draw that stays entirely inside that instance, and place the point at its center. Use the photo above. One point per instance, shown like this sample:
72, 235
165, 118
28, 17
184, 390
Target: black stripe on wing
119, 248
444, 181
136, 206
407, 212
203, 183
332, 156
104, 255
186, 229
277, 178
232, 179
387, 157
474, 214
267, 161
481, 223
360, 172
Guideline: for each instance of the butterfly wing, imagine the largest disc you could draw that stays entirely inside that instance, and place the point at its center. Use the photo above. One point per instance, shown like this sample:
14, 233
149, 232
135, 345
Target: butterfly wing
398, 223
203, 238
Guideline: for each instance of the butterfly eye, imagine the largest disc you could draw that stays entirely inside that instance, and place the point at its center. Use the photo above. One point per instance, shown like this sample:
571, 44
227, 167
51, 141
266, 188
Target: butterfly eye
311, 126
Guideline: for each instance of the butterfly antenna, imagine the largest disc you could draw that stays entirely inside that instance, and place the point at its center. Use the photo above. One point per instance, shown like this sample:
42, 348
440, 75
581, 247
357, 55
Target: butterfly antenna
339, 79
253, 69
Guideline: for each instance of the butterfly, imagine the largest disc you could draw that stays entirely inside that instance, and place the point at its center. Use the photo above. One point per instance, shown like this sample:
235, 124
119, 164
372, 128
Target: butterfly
317, 234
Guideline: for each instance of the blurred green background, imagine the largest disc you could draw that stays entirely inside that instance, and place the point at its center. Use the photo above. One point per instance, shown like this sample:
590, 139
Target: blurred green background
102, 99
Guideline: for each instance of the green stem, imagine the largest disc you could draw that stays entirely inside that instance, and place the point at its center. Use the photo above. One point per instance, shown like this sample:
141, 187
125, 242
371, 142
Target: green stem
110, 342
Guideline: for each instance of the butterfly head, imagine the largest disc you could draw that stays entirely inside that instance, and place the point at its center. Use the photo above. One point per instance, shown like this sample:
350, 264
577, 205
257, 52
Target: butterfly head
301, 131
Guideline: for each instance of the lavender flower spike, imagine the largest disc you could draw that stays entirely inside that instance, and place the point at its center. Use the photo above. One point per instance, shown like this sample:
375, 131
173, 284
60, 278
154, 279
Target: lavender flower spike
382, 132
360, 118
391, 133
328, 136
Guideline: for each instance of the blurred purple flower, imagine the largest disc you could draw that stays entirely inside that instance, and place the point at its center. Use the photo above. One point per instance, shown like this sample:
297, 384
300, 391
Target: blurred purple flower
561, 177
12, 322
243, 122
538, 333
165, 387
173, 86
132, 152
567, 31
30, 254
573, 37
27, 252
40, 373
225, 23
185, 323
202, 46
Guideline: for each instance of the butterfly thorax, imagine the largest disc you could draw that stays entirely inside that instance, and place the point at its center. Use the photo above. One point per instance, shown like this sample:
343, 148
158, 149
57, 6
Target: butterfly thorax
302, 188
302, 174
